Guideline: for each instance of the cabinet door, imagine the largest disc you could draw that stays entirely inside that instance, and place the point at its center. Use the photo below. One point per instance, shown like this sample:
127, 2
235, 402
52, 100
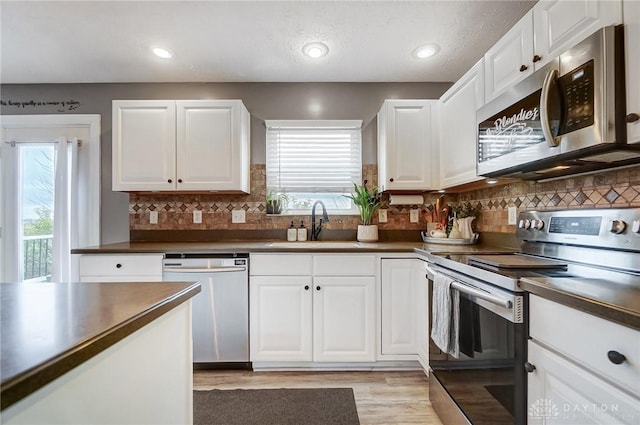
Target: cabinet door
559, 24
422, 301
212, 145
632, 35
399, 314
459, 128
280, 318
143, 145
560, 392
510, 59
343, 319
406, 135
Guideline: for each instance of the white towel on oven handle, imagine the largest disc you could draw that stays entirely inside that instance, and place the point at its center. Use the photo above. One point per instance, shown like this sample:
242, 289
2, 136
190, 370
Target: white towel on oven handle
445, 308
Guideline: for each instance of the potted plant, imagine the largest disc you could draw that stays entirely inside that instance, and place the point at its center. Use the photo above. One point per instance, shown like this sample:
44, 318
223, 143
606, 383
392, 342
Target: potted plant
368, 202
276, 202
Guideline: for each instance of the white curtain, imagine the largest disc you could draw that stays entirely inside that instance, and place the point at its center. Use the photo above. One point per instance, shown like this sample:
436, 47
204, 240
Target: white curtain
65, 208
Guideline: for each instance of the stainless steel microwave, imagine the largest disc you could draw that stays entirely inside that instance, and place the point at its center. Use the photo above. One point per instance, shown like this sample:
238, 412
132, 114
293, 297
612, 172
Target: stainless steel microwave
567, 117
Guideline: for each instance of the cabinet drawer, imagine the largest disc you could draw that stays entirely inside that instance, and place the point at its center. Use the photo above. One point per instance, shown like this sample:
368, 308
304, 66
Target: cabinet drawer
121, 265
280, 265
587, 339
344, 265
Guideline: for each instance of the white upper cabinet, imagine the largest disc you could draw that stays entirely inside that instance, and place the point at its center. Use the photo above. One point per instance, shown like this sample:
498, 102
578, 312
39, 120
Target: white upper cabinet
407, 133
180, 145
632, 46
212, 145
458, 128
560, 24
509, 60
144, 145
546, 31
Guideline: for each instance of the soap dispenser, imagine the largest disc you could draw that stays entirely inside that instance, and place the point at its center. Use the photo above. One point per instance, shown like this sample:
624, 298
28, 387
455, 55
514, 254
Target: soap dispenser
302, 232
292, 233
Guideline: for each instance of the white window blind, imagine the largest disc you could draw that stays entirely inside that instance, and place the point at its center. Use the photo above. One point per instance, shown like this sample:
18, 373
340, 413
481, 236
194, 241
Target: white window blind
319, 156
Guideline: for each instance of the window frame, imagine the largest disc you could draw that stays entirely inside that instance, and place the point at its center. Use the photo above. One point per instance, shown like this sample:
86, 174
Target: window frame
272, 125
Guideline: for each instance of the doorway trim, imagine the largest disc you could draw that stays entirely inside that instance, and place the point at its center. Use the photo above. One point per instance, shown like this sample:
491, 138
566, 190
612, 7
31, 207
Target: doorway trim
89, 235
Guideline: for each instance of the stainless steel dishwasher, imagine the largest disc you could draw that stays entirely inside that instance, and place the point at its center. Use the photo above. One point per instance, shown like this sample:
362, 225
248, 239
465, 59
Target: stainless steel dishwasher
221, 311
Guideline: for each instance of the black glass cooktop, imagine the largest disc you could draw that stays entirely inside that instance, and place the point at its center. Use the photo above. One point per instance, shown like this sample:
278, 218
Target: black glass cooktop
514, 266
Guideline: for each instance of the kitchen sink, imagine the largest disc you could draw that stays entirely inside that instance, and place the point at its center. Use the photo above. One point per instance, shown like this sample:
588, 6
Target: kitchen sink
316, 244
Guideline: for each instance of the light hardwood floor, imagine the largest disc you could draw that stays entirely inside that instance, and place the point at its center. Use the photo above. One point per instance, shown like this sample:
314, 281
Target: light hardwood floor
381, 397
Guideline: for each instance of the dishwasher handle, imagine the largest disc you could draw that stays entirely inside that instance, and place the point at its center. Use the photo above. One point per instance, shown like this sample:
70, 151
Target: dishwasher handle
180, 269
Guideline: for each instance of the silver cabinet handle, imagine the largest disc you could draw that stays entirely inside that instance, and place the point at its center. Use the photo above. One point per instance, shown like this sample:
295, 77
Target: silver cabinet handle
204, 269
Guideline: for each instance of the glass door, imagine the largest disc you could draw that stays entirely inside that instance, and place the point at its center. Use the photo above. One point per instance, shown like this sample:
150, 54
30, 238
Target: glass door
28, 204
37, 185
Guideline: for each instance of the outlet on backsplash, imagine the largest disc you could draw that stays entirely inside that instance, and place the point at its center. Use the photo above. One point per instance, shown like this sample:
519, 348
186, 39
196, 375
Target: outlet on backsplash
512, 215
197, 217
382, 216
238, 216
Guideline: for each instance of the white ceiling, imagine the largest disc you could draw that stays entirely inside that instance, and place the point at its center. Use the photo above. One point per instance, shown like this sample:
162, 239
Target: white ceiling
246, 41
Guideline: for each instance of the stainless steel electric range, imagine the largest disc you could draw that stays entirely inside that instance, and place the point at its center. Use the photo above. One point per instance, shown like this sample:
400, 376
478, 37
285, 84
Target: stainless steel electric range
592, 254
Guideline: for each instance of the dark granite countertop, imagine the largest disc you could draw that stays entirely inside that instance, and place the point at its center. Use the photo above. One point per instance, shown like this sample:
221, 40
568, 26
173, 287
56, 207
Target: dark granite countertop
265, 246
48, 328
615, 301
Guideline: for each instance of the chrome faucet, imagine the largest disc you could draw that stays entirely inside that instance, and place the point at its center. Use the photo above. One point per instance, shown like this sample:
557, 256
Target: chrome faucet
315, 231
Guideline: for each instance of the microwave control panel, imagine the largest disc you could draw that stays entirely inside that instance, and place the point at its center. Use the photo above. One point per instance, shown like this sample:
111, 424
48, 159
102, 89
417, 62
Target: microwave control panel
578, 94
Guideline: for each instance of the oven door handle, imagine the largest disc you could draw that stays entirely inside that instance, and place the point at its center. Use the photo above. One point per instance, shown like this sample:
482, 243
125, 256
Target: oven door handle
476, 292
483, 295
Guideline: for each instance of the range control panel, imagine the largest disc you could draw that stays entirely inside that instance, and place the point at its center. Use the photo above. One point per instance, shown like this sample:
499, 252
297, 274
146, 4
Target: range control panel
606, 228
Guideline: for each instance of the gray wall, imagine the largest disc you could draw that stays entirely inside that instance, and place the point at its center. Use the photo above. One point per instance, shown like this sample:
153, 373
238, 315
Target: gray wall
263, 100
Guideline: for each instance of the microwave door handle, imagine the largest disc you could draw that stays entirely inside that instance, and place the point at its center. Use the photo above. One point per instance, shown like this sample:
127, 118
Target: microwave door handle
544, 108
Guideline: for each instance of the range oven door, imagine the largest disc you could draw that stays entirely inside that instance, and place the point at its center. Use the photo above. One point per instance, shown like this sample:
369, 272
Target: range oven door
487, 381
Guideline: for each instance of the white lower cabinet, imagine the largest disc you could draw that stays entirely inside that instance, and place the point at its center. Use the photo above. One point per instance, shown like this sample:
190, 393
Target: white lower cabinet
560, 392
404, 318
316, 317
582, 369
120, 267
422, 300
281, 318
344, 318
399, 332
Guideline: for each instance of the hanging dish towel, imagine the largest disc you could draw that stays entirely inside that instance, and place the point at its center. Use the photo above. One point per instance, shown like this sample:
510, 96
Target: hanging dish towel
445, 315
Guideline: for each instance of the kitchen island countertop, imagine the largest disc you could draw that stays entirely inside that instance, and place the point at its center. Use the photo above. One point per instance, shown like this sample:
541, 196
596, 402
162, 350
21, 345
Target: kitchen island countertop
50, 328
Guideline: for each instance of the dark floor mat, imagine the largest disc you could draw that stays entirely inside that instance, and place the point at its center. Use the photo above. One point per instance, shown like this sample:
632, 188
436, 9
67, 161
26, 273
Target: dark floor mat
275, 406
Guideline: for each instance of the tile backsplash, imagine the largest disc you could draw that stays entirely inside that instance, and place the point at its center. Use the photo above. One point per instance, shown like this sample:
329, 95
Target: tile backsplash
618, 188
608, 189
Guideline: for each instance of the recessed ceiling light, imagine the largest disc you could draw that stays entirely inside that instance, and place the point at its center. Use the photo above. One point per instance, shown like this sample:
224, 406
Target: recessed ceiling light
426, 51
492, 181
162, 52
315, 50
